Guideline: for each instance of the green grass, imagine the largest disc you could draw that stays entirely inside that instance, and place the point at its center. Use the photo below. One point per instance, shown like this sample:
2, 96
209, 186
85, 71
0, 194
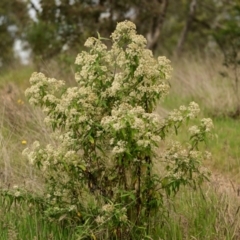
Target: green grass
18, 76
191, 216
226, 146
203, 217
22, 221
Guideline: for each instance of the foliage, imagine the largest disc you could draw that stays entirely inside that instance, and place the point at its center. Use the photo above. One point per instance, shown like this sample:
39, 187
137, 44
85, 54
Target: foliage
61, 27
13, 16
161, 22
100, 172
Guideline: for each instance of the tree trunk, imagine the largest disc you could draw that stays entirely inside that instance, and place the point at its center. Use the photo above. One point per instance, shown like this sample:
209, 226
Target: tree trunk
157, 23
190, 18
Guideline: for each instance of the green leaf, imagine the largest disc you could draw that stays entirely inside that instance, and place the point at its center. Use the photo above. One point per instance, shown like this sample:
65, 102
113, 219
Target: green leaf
102, 38
82, 167
91, 139
165, 182
176, 129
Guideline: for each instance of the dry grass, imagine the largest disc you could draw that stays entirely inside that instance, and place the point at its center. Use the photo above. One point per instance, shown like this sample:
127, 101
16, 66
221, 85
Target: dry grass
20, 125
201, 80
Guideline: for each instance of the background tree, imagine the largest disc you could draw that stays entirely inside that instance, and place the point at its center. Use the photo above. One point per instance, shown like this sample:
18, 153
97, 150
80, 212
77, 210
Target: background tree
192, 11
165, 24
13, 18
61, 26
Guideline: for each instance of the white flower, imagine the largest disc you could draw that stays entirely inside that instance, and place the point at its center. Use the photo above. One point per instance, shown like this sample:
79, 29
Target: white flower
194, 130
123, 218
207, 123
175, 116
99, 219
208, 155
122, 28
183, 108
193, 109
143, 143
194, 154
72, 208
17, 193
120, 148
90, 42
108, 208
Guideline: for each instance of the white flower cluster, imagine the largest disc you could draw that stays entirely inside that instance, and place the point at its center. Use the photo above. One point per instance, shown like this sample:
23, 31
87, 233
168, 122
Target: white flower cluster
165, 66
42, 89
109, 211
138, 42
207, 124
174, 150
108, 207
194, 130
193, 110
182, 161
134, 122
208, 155
123, 29
120, 147
179, 115
31, 154
114, 67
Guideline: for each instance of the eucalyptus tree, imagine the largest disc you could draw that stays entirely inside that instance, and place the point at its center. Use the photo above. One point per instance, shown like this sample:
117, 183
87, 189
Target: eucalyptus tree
13, 18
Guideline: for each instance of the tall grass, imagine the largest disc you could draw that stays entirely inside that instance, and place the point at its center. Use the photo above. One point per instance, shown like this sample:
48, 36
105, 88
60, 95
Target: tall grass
20, 125
196, 216
201, 79
192, 215
23, 221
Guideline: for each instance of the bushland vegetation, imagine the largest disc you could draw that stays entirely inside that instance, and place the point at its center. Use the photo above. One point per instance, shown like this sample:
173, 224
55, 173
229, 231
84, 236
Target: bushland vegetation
120, 149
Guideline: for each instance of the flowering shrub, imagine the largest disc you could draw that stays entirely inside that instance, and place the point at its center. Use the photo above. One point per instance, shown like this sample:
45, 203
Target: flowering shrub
101, 171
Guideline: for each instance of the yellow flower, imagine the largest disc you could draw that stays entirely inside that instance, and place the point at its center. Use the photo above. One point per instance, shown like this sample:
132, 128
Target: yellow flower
24, 142
20, 101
